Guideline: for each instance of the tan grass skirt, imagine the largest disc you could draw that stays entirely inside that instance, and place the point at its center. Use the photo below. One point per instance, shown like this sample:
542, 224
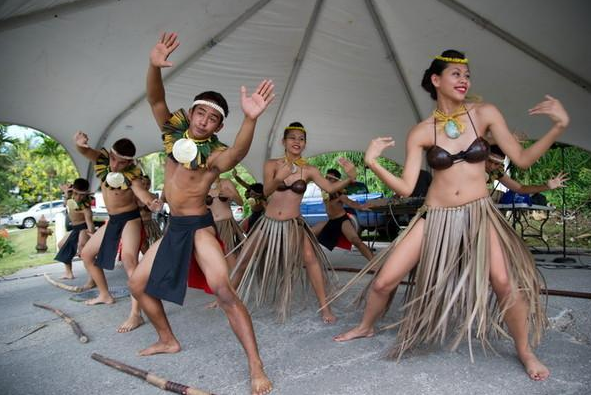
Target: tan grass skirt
153, 231
450, 297
272, 256
230, 233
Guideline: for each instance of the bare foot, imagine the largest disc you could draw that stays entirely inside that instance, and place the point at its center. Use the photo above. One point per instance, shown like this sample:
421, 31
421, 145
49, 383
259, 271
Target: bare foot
89, 285
534, 368
260, 383
68, 276
161, 348
132, 322
328, 317
354, 333
100, 300
212, 305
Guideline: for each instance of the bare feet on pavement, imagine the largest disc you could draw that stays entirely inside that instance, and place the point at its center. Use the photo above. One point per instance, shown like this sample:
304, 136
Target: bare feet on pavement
535, 369
161, 347
354, 333
100, 300
132, 322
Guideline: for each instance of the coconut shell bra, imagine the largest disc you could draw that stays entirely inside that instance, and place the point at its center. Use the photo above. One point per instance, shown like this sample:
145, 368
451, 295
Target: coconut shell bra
440, 159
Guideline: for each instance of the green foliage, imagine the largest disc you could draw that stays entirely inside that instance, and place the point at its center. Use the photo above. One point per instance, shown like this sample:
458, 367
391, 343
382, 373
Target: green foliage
153, 166
6, 247
374, 184
35, 167
577, 163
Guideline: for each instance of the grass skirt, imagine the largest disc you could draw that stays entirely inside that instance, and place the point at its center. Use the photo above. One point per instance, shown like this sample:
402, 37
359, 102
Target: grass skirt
273, 260
230, 233
450, 297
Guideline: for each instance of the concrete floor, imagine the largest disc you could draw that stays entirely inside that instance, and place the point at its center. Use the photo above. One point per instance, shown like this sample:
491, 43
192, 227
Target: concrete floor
300, 356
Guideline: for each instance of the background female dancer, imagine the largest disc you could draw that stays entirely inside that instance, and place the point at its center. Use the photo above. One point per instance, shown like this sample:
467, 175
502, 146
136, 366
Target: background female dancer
272, 256
459, 242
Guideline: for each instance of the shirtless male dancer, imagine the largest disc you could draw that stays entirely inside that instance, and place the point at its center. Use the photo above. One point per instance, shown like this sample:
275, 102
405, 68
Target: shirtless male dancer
195, 159
120, 184
77, 201
339, 224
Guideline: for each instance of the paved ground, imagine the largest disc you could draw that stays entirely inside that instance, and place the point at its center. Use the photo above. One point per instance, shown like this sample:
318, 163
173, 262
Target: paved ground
299, 356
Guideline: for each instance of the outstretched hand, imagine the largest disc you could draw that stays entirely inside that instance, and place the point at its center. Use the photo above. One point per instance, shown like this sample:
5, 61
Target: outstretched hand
254, 105
348, 167
554, 109
81, 139
558, 181
166, 45
376, 147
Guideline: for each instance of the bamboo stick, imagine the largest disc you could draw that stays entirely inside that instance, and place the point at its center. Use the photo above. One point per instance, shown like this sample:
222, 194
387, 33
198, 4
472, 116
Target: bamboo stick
75, 327
70, 288
151, 378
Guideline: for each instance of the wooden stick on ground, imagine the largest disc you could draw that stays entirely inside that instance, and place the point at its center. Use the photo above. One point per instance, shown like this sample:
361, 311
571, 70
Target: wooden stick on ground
159, 382
71, 288
38, 327
75, 327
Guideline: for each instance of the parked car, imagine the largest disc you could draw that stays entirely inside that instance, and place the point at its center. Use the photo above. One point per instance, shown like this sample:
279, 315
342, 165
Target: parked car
313, 210
28, 219
99, 209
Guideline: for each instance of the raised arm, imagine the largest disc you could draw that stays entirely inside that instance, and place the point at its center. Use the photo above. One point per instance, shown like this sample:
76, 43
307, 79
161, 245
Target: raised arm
239, 179
331, 187
252, 106
404, 185
81, 141
231, 192
154, 87
272, 178
553, 183
525, 157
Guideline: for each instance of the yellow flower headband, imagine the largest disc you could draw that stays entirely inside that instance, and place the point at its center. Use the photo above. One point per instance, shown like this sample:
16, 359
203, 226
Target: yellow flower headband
295, 128
451, 60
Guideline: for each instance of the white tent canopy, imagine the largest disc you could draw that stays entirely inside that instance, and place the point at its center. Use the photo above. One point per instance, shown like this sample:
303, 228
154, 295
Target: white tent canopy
349, 70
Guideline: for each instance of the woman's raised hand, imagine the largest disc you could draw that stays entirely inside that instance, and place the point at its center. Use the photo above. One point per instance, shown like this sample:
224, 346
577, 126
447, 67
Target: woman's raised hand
553, 109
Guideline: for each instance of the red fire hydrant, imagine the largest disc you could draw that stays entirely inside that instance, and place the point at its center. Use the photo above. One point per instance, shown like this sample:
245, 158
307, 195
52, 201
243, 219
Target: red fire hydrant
43, 232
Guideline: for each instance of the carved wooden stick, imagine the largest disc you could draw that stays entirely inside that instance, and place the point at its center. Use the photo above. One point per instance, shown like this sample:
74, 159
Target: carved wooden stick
71, 288
75, 327
159, 382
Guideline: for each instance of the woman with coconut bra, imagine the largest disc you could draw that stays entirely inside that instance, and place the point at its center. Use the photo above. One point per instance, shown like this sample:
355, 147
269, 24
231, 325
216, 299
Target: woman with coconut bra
472, 273
270, 264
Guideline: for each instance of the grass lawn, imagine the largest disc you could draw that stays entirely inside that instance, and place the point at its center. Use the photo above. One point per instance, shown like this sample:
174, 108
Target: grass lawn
25, 255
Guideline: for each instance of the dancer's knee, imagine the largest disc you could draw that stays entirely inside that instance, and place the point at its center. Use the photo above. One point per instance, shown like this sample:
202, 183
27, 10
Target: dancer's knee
224, 293
136, 285
382, 287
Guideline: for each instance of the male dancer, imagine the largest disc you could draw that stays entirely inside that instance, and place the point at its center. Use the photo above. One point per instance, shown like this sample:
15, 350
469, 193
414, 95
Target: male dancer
120, 184
196, 158
338, 227
77, 201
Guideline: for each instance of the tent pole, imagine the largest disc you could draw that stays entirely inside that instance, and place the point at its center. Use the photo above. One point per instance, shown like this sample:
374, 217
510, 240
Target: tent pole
393, 57
297, 64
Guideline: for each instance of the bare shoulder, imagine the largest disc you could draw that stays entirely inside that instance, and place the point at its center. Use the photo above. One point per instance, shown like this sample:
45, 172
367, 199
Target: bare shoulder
482, 109
422, 133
